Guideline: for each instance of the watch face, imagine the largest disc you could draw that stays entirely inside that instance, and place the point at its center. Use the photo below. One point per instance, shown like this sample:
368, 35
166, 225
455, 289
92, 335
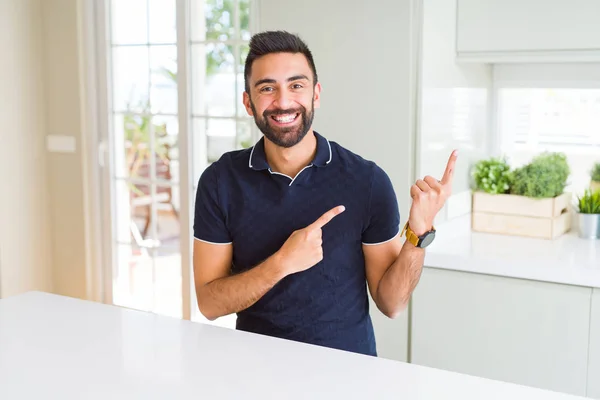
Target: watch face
427, 239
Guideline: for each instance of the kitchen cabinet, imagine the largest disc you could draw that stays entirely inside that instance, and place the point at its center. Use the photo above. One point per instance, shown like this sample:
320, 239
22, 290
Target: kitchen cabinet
1, 272
391, 335
593, 385
515, 330
528, 30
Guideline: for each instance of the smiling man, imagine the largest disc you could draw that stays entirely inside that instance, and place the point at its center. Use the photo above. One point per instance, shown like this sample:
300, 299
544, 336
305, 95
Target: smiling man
291, 233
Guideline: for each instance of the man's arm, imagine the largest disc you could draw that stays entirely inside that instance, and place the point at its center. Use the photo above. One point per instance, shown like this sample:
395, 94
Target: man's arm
219, 293
393, 271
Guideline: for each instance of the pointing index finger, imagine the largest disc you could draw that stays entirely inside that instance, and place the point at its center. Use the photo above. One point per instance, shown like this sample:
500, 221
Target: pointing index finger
327, 217
449, 172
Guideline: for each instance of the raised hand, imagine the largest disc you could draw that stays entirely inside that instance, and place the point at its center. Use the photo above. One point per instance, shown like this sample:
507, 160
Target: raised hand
428, 197
303, 249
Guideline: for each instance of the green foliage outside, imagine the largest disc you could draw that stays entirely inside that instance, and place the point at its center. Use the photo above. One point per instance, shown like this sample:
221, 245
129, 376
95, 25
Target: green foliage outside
219, 26
137, 143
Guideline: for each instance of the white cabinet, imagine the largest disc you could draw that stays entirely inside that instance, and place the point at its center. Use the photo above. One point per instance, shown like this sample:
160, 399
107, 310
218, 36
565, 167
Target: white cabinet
0, 272
513, 330
391, 335
593, 387
528, 30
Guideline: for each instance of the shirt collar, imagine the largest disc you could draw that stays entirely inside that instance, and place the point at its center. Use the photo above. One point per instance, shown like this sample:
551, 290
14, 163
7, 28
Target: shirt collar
258, 158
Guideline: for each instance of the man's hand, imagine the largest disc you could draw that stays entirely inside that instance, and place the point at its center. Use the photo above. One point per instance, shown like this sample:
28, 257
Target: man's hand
303, 249
429, 196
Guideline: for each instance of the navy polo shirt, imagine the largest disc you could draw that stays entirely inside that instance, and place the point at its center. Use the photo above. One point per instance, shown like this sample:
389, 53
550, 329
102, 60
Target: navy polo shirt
240, 200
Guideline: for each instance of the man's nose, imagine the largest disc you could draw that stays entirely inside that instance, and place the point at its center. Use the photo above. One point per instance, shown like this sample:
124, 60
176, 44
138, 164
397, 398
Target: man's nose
284, 100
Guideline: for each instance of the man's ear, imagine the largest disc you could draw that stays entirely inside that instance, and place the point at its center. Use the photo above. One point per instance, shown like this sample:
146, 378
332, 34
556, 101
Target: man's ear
246, 100
317, 95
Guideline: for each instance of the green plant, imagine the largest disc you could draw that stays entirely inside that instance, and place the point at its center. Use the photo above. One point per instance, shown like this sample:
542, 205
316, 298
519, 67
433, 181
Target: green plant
492, 176
589, 203
545, 176
595, 173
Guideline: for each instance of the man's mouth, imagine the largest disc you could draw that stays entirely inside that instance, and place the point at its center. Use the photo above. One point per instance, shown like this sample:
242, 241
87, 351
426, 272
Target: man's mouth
285, 119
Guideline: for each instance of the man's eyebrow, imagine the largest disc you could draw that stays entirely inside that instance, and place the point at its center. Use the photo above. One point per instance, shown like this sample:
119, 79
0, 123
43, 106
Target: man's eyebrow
297, 78
290, 79
266, 80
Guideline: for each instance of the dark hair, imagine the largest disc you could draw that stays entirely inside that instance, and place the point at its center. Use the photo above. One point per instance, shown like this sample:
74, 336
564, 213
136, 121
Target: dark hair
270, 42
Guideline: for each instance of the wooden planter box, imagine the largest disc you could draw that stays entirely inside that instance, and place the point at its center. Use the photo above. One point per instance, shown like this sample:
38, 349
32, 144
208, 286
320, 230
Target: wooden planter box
509, 214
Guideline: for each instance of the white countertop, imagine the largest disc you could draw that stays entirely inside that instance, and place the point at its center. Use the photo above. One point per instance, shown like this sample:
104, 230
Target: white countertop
54, 347
567, 259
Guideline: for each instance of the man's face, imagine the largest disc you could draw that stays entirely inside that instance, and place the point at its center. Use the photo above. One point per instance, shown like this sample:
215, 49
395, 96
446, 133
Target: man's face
282, 97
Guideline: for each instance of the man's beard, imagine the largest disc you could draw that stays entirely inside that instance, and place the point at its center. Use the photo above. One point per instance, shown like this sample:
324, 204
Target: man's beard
283, 136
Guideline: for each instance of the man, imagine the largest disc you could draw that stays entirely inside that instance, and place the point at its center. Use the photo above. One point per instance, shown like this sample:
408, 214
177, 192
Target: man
290, 233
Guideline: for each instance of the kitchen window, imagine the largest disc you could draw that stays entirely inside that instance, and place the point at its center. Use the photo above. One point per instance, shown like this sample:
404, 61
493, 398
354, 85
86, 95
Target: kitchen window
561, 115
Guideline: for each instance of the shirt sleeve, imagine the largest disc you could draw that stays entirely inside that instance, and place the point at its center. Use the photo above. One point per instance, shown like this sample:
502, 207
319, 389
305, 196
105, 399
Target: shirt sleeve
209, 218
383, 218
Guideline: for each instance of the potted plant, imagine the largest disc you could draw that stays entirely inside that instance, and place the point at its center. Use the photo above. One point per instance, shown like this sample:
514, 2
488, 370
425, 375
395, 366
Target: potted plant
589, 214
544, 177
528, 201
595, 175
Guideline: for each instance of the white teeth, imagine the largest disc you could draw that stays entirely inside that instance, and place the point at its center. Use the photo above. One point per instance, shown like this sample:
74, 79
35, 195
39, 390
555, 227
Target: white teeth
285, 118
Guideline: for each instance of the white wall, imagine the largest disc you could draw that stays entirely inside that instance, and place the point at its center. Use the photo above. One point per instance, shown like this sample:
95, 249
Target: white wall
65, 117
42, 235
24, 225
454, 105
364, 57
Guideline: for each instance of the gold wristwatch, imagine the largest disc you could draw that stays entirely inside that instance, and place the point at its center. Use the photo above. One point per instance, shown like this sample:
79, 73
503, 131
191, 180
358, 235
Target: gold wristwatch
418, 241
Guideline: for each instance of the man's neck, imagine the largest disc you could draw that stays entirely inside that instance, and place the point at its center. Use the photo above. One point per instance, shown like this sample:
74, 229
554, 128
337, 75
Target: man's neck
290, 161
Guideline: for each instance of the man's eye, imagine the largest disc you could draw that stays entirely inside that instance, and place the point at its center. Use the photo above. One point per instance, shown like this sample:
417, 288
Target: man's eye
297, 86
267, 89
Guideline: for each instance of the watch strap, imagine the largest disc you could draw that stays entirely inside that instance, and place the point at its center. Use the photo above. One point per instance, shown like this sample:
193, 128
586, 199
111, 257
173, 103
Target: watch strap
410, 235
